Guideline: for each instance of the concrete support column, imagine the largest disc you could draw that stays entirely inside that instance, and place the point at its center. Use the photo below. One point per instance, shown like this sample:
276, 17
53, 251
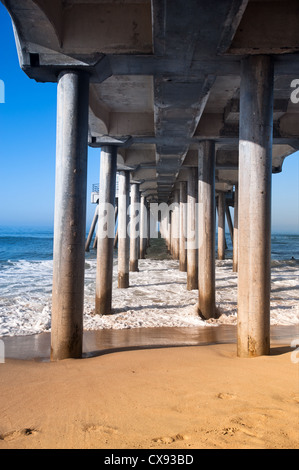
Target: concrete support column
148, 215
70, 215
134, 226
115, 243
92, 228
123, 222
143, 227
166, 231
206, 229
221, 225
229, 222
255, 172
175, 224
235, 239
163, 230
172, 234
192, 230
106, 227
169, 232
95, 243
183, 226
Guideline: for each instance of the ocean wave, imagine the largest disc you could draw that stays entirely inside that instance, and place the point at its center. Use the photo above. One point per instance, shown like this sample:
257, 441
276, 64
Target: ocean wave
283, 263
157, 297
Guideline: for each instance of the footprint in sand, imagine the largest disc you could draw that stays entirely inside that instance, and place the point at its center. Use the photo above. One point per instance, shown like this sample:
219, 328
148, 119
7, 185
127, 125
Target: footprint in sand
230, 431
11, 435
95, 428
226, 396
170, 439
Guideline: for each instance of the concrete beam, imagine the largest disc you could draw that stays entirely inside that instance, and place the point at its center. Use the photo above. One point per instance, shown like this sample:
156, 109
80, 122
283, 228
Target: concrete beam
232, 110
125, 27
262, 29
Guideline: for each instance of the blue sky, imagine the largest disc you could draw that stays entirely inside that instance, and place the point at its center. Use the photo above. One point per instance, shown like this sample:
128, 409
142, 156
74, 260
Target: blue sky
28, 143
27, 152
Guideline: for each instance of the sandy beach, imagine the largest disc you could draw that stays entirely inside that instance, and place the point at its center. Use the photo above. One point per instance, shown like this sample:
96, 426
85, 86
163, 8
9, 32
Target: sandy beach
149, 225
154, 375
194, 397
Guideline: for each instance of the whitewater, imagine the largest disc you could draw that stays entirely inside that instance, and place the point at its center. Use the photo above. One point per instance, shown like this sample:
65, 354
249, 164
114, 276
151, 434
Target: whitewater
157, 296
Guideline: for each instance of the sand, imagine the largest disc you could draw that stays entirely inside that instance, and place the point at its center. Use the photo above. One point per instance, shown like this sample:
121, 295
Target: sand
154, 375
192, 397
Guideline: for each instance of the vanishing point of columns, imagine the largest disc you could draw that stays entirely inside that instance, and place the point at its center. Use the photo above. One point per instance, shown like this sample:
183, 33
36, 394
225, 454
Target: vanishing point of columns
252, 217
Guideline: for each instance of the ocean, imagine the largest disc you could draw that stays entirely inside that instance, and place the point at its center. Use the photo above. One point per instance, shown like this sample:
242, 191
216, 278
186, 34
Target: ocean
157, 296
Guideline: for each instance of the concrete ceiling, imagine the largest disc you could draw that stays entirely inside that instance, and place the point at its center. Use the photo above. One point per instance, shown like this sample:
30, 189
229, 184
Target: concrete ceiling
165, 74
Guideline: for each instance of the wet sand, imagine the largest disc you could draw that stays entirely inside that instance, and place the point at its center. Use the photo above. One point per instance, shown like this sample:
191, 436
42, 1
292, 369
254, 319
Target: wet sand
159, 388
151, 388
98, 342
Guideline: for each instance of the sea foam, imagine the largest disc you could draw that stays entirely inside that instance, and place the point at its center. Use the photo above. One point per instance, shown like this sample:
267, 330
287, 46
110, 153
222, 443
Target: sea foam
157, 297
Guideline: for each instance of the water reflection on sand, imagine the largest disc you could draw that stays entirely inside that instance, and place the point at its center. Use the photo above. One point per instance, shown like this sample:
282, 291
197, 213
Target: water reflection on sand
37, 347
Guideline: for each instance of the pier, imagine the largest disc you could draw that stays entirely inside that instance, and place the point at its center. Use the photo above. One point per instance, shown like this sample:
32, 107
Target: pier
191, 107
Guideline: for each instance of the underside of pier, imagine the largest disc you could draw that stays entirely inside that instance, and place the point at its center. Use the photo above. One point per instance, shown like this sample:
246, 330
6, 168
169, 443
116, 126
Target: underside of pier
169, 90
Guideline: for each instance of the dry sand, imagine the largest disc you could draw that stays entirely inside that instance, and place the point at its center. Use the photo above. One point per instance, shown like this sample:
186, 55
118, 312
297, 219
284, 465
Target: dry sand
189, 397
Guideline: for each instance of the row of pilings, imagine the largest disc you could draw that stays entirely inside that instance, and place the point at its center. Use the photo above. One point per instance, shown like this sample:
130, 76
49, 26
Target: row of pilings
254, 215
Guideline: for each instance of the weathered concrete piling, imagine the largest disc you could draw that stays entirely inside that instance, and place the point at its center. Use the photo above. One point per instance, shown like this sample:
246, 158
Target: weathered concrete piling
206, 229
106, 228
192, 229
70, 215
254, 214
123, 236
134, 226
